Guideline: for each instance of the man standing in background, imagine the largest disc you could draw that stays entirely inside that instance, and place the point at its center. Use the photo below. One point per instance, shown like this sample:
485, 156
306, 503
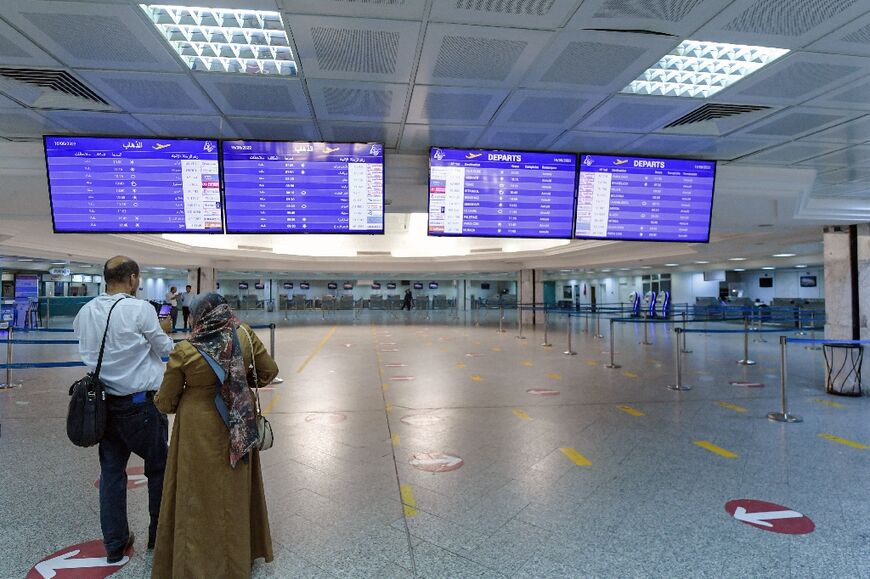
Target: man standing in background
186, 300
172, 300
132, 371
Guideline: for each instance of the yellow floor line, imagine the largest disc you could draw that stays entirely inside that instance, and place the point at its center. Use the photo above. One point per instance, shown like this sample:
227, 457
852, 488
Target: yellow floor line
408, 500
628, 374
730, 406
389, 407
521, 414
591, 362
527, 363
496, 349
271, 405
576, 457
554, 376
630, 410
477, 378
715, 449
829, 403
396, 439
460, 365
845, 441
317, 349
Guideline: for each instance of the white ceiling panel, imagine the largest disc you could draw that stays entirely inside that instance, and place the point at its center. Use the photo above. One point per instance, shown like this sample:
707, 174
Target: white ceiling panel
515, 13
87, 35
418, 138
589, 142
668, 145
274, 129
91, 123
728, 148
856, 156
138, 92
7, 103
796, 122
17, 50
598, 61
358, 101
791, 153
796, 78
243, 95
187, 126
393, 9
852, 132
853, 38
25, 123
356, 48
678, 17
534, 108
478, 56
518, 138
780, 23
854, 96
632, 114
840, 176
388, 134
452, 105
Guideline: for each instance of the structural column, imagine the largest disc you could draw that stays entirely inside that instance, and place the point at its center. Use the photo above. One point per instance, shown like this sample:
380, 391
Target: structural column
847, 282
530, 290
202, 279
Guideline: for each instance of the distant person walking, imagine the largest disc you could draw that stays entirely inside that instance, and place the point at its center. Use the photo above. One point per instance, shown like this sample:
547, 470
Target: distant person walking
132, 371
409, 299
171, 298
186, 299
214, 520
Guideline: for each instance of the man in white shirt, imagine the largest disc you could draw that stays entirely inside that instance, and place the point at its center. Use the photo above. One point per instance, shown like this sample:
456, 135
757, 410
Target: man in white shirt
172, 300
132, 371
186, 300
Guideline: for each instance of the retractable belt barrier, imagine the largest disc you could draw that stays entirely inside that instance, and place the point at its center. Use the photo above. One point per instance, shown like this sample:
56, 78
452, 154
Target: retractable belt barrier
12, 365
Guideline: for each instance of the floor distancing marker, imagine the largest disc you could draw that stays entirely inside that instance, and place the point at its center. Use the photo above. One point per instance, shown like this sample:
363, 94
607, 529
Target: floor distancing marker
554, 376
496, 349
389, 407
830, 403
408, 501
576, 457
317, 349
460, 364
591, 362
630, 410
271, 405
715, 449
521, 414
477, 378
628, 374
385, 386
396, 440
527, 363
846, 441
730, 406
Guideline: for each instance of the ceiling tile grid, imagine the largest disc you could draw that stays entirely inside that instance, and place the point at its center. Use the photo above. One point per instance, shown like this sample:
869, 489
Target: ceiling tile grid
150, 92
547, 14
271, 129
187, 126
791, 153
88, 123
632, 114
591, 142
518, 138
385, 133
17, 50
418, 138
392, 9
536, 108
676, 17
358, 101
856, 156
244, 95
852, 132
25, 123
451, 105
796, 122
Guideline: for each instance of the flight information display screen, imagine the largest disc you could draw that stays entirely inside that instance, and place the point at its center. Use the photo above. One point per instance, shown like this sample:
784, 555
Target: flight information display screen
482, 193
302, 187
126, 185
643, 199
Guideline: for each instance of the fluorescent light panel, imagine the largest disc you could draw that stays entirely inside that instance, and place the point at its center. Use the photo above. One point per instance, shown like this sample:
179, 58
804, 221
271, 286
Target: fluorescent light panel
700, 69
226, 40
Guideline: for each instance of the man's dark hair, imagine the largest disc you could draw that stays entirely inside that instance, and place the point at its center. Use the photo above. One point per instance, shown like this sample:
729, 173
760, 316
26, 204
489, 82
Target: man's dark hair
188, 286
118, 269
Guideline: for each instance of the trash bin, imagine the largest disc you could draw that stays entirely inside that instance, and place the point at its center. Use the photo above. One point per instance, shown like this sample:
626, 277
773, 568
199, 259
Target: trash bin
843, 368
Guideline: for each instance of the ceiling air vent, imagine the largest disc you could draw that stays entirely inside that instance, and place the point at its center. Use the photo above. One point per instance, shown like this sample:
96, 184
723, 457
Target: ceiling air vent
49, 89
713, 112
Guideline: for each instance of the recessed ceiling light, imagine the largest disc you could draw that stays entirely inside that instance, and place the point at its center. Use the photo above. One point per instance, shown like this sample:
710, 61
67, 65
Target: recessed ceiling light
802, 266
624, 269
784, 254
736, 259
700, 69
226, 40
24, 259
701, 262
158, 268
672, 264
606, 270
646, 267
768, 267
739, 269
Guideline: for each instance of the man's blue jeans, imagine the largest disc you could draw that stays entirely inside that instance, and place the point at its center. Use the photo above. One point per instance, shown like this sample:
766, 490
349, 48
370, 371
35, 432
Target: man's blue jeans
131, 428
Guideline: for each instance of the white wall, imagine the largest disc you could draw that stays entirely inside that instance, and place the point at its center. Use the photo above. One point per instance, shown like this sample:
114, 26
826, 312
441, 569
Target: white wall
786, 284
686, 286
155, 288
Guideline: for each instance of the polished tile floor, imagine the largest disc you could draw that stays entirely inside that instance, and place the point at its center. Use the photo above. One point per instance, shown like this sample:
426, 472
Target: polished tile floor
410, 447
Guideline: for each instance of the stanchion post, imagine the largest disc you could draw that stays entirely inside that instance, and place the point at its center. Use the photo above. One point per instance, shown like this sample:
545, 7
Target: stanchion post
569, 351
646, 341
800, 324
684, 348
501, 329
613, 363
520, 321
813, 332
9, 360
546, 343
678, 364
272, 351
746, 361
598, 334
784, 415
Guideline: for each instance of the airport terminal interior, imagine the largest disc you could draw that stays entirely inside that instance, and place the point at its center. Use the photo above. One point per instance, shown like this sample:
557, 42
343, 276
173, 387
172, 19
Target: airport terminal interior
556, 288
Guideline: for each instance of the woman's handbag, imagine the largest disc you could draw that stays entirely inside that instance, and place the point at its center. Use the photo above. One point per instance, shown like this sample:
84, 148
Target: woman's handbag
264, 428
86, 417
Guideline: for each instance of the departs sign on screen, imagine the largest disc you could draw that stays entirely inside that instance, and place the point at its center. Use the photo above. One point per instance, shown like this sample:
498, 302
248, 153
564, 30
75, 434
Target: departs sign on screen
644, 199
483, 193
133, 185
303, 187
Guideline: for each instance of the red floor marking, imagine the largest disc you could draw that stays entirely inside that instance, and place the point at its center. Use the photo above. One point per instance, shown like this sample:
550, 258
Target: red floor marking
83, 561
770, 517
135, 478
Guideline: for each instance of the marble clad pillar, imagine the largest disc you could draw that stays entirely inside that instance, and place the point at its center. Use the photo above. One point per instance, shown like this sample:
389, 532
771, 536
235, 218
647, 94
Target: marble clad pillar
529, 291
838, 284
864, 279
202, 279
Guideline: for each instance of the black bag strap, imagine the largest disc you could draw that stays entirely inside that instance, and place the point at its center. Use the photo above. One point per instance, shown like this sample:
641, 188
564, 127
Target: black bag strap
103, 344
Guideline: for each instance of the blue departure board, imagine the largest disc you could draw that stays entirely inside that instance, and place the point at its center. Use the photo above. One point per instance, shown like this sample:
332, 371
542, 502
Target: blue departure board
129, 185
644, 199
303, 187
482, 193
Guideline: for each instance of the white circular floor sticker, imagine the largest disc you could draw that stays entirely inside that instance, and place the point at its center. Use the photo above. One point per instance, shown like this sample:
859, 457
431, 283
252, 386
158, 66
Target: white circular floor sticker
543, 392
84, 561
436, 462
326, 418
421, 419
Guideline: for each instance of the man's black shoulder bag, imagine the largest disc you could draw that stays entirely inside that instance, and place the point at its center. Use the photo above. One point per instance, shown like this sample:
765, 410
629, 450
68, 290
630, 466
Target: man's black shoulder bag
86, 419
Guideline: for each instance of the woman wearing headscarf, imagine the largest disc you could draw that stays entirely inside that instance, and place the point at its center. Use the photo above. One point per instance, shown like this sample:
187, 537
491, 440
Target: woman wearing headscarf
213, 519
